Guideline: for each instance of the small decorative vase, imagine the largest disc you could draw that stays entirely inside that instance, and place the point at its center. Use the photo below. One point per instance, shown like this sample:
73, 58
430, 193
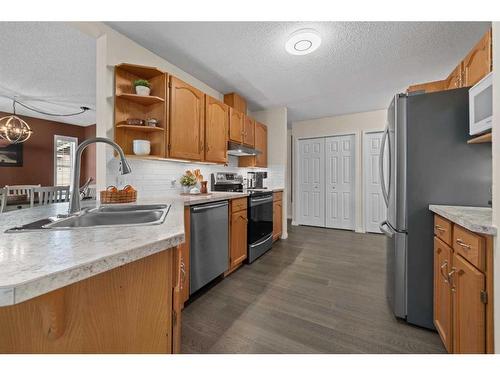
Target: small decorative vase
142, 90
203, 189
186, 189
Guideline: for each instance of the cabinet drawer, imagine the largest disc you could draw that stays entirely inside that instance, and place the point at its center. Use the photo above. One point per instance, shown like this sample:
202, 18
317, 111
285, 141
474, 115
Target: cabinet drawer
278, 196
469, 245
238, 204
442, 229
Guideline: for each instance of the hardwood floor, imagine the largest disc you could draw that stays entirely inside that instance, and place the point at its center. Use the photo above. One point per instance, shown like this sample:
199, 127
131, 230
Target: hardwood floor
319, 291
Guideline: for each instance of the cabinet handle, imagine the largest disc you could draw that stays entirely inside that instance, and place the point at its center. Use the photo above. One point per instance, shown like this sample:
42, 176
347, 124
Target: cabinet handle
451, 279
445, 273
183, 274
463, 244
244, 218
439, 228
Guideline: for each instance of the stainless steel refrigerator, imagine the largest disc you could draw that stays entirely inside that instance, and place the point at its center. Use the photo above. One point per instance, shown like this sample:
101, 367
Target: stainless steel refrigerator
425, 159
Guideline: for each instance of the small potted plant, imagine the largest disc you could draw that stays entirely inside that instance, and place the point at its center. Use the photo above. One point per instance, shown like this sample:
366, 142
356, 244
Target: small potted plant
142, 87
188, 180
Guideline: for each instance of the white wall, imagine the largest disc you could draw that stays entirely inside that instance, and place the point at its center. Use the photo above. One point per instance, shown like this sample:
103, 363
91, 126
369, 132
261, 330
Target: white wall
151, 178
496, 183
288, 180
276, 121
355, 123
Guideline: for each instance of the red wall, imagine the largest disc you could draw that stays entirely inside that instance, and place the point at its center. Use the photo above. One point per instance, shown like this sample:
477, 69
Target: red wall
38, 153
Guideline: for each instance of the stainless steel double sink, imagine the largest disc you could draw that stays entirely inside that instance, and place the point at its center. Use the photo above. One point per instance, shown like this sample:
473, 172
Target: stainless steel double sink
103, 216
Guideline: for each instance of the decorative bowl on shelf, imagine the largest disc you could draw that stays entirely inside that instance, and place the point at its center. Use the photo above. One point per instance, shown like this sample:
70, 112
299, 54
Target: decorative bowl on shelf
152, 122
141, 147
135, 121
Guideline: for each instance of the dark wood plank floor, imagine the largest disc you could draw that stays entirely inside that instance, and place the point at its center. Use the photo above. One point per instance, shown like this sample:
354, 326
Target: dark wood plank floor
319, 291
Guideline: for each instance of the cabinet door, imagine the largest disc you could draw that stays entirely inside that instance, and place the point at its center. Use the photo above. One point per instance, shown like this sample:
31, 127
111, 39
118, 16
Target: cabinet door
442, 292
428, 87
261, 144
238, 238
249, 131
454, 80
469, 311
277, 219
216, 130
187, 117
236, 119
478, 62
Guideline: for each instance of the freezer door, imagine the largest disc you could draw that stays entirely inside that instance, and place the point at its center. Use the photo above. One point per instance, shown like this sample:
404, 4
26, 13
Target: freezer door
396, 269
396, 144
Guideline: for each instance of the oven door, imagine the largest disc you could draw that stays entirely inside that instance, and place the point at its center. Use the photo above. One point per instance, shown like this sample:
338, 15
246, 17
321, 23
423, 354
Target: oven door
260, 218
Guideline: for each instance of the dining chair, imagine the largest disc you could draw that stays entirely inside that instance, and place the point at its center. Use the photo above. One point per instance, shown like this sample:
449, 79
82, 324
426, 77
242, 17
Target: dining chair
52, 194
3, 199
27, 190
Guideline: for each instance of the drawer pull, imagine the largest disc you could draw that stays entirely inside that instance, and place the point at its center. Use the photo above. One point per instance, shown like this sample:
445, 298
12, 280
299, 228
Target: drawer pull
451, 279
445, 273
243, 218
439, 228
463, 244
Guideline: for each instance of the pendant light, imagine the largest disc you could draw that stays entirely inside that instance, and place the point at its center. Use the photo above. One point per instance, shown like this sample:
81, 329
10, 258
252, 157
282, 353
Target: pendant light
13, 128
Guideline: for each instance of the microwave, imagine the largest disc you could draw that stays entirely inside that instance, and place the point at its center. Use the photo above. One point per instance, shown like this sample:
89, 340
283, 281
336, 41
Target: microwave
481, 105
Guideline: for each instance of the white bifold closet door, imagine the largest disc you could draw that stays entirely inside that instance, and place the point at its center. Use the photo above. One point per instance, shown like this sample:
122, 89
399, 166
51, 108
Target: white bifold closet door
339, 184
312, 182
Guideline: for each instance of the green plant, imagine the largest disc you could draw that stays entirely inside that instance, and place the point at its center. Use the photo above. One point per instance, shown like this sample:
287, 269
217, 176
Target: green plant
188, 179
142, 82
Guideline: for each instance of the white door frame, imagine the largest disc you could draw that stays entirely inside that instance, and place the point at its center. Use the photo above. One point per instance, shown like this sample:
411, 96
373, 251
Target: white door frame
296, 173
364, 134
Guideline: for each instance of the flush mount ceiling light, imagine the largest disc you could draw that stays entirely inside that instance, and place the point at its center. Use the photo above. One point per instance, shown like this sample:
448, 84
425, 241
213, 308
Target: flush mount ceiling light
303, 41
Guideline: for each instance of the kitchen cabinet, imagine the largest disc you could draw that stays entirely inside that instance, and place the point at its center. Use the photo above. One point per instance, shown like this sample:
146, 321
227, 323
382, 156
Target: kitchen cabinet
238, 233
236, 120
259, 160
442, 292
469, 308
277, 215
184, 254
478, 63
216, 130
463, 288
187, 115
236, 101
249, 131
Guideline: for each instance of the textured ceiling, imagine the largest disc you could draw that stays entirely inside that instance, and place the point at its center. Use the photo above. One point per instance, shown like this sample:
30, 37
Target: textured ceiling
358, 67
49, 66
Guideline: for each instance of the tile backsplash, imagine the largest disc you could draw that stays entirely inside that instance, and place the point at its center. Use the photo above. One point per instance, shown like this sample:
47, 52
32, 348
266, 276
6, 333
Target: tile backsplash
157, 177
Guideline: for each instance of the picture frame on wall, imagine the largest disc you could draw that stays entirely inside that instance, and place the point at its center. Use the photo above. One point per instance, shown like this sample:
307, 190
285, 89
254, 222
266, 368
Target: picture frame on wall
11, 155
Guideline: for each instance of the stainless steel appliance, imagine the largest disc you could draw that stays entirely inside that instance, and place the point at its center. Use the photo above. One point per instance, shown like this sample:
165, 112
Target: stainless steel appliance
238, 149
481, 106
209, 243
429, 162
260, 223
226, 181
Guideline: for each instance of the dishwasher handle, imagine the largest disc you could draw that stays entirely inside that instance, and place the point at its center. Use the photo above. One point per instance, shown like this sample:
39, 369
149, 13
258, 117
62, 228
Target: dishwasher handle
208, 206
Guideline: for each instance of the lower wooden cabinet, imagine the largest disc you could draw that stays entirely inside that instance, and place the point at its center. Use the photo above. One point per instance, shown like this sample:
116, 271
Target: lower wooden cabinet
442, 292
238, 233
277, 215
184, 261
463, 292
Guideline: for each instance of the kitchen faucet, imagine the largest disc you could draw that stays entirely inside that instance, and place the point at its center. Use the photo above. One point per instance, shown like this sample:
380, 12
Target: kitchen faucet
74, 204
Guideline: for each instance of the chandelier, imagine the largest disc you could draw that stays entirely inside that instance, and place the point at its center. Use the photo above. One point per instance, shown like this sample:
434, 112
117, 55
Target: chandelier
13, 128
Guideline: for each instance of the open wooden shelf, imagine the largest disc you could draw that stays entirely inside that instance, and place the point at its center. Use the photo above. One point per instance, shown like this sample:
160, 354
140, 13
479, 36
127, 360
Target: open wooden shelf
141, 99
142, 128
145, 72
484, 138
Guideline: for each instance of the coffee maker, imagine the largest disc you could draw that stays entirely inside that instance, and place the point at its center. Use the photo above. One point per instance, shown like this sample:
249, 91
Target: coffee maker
255, 180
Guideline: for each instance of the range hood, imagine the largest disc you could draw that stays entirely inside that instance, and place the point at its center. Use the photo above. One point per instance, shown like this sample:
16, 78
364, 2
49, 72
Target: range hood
237, 149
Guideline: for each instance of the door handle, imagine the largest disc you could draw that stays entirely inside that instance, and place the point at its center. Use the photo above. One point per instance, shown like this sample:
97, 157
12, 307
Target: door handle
381, 167
387, 232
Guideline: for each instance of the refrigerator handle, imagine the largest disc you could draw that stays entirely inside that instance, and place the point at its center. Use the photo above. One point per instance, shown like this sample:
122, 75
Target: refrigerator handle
382, 226
381, 160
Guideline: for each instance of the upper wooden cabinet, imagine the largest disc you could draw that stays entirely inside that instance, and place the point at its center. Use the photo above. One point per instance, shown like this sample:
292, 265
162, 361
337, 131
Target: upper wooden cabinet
186, 128
249, 131
478, 62
454, 80
259, 160
216, 130
236, 120
235, 101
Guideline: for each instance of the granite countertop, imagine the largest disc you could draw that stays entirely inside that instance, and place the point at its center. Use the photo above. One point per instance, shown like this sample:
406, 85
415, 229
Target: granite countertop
476, 219
34, 263
215, 196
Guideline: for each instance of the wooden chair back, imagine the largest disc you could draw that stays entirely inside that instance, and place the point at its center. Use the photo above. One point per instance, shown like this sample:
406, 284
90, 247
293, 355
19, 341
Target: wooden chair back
52, 194
23, 190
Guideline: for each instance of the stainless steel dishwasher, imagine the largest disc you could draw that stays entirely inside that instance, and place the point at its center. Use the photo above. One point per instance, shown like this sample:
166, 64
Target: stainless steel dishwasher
209, 253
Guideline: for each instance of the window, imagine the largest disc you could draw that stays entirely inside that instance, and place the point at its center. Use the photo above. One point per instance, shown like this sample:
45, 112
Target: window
64, 155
